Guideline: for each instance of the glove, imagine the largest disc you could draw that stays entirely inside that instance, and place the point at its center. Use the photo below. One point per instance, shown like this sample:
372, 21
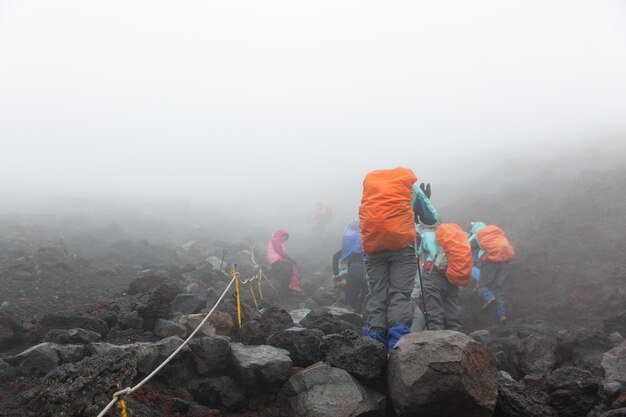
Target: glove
426, 189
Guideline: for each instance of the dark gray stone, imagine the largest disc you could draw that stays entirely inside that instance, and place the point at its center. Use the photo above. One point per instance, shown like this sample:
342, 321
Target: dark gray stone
211, 354
7, 372
83, 388
346, 315
222, 392
303, 345
616, 323
145, 353
188, 304
67, 322
482, 336
44, 357
573, 391
514, 400
324, 391
273, 319
359, 355
538, 355
261, 368
326, 322
72, 336
130, 320
167, 328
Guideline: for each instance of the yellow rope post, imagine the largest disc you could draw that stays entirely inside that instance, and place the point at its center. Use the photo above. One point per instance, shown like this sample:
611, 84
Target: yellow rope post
238, 296
122, 404
253, 296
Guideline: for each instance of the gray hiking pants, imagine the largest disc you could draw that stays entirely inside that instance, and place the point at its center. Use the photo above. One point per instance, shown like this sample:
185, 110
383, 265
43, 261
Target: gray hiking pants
391, 275
492, 277
443, 302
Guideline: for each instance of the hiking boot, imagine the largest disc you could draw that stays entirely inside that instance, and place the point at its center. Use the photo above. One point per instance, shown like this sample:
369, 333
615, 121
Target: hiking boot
502, 320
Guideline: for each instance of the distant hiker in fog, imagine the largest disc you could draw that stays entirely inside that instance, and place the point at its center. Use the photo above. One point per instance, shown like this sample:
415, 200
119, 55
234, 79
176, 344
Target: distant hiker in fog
283, 268
391, 205
493, 254
321, 218
349, 264
447, 266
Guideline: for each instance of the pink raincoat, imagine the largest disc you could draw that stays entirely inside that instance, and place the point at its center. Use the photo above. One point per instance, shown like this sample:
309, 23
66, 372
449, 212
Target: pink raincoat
276, 253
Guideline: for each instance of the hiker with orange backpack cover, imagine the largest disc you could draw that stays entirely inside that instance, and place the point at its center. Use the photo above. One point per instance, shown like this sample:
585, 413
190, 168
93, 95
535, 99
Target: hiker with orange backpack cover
391, 204
447, 267
494, 254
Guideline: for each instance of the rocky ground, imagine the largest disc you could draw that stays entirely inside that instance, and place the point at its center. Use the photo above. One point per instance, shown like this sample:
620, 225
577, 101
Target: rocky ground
84, 314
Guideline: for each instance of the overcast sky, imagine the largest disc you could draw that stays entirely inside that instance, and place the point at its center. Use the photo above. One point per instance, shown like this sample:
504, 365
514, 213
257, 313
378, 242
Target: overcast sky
287, 103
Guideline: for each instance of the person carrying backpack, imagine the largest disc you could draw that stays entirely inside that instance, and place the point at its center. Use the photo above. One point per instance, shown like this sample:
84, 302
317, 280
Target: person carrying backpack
390, 206
447, 266
349, 263
494, 254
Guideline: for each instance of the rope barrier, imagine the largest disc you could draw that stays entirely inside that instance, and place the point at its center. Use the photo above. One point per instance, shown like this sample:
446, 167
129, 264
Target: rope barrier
126, 391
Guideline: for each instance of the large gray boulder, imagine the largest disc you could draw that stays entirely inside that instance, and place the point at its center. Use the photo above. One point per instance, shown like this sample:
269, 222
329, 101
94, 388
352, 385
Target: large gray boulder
324, 391
442, 374
44, 357
303, 345
261, 368
359, 355
210, 354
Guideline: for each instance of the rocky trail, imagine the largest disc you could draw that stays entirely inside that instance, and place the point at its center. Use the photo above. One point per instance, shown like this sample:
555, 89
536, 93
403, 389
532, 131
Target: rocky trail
83, 315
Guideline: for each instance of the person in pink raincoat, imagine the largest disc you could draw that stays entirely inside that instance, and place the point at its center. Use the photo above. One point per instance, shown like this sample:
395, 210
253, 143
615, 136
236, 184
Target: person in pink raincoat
282, 266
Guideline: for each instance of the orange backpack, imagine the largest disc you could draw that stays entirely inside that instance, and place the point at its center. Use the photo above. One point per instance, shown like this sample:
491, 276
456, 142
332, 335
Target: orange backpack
454, 243
495, 244
386, 213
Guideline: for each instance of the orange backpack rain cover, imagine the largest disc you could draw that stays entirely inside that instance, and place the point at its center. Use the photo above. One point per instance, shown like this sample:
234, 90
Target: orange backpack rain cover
386, 213
495, 244
455, 244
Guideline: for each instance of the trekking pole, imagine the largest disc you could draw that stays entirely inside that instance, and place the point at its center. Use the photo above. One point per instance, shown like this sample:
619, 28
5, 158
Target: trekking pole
223, 255
419, 275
